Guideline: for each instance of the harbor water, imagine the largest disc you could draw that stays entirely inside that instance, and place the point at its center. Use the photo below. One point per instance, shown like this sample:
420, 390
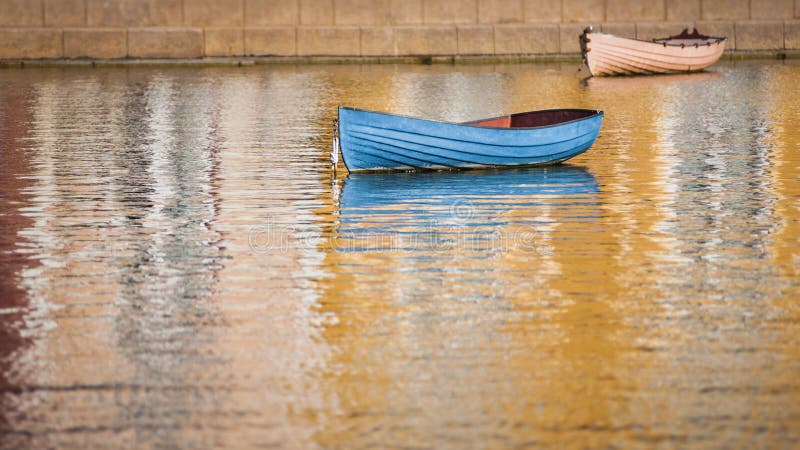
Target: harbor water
180, 267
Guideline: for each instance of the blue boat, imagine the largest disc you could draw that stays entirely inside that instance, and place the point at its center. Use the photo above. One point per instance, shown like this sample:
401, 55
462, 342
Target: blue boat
374, 141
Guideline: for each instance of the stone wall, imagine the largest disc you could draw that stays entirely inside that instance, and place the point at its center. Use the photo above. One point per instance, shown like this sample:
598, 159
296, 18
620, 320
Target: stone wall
33, 29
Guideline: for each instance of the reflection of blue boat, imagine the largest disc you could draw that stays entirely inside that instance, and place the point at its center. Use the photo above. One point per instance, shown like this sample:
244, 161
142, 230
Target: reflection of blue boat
476, 197
372, 141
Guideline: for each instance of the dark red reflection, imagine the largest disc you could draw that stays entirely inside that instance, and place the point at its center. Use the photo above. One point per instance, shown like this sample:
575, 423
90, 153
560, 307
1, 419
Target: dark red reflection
15, 163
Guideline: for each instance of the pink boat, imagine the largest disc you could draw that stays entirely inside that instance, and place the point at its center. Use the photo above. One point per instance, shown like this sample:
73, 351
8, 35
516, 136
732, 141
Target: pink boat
606, 54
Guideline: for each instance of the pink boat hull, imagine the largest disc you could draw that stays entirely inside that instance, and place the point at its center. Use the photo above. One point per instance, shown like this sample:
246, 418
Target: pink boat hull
606, 54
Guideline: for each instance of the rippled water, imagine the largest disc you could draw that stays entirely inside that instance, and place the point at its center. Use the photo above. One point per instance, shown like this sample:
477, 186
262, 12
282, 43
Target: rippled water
179, 267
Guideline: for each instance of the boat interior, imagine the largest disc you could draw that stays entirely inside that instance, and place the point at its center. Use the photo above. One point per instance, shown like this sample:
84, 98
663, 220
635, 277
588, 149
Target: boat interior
535, 118
686, 38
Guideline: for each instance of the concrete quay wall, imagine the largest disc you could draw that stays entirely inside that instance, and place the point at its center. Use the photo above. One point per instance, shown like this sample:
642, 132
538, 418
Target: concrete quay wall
110, 29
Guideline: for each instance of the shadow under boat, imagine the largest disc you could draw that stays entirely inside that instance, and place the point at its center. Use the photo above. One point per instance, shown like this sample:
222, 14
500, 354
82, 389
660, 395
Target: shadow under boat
627, 82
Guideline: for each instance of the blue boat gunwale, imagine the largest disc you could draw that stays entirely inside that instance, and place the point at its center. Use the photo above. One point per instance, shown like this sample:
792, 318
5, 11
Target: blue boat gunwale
595, 113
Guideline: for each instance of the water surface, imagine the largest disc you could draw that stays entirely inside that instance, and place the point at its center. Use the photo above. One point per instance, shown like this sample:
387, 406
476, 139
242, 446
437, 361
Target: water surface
179, 266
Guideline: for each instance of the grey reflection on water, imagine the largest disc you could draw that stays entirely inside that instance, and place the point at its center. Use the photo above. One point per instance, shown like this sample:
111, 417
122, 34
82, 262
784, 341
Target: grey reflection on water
450, 96
150, 194
165, 317
131, 214
713, 193
716, 149
718, 159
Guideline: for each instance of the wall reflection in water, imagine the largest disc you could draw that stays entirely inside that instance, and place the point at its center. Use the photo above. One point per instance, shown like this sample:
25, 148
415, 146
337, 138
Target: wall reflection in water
180, 267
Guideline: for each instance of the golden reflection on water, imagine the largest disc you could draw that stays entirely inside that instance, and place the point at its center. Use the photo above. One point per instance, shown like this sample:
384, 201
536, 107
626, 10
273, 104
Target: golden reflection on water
180, 267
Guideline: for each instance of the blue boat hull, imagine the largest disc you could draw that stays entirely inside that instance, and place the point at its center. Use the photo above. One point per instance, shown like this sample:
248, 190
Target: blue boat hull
373, 141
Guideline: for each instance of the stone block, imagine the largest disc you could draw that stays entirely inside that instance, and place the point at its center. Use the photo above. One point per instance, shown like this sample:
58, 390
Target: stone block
500, 11
621, 29
329, 41
30, 43
541, 10
583, 11
95, 43
316, 12
136, 13
475, 40
361, 12
726, 9
569, 37
427, 40
133, 13
719, 29
100, 13
791, 34
406, 12
540, 38
21, 13
213, 13
161, 13
271, 12
759, 35
651, 30
165, 42
450, 11
377, 41
223, 41
64, 13
683, 10
277, 41
634, 10
106, 13
771, 9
